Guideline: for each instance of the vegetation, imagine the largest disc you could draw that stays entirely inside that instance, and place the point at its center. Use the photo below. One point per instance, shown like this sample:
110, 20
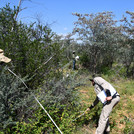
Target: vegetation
43, 60
121, 118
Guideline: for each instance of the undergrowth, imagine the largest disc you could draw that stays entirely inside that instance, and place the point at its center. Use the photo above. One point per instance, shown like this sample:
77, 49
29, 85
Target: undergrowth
121, 118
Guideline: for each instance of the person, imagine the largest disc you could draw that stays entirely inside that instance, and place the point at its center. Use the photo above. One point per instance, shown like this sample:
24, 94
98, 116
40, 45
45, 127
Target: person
3, 58
109, 97
74, 60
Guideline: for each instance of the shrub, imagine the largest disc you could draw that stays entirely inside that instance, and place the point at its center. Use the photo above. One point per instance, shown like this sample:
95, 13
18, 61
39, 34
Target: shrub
12, 100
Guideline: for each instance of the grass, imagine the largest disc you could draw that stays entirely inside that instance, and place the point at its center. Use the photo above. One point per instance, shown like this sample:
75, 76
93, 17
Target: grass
122, 116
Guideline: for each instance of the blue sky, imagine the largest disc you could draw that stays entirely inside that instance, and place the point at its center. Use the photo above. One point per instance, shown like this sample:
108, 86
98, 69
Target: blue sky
58, 13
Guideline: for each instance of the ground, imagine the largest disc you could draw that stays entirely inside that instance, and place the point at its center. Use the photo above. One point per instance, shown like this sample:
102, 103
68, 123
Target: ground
122, 116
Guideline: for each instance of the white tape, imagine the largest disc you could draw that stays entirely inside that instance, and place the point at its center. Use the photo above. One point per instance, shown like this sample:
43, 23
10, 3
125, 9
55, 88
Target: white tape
37, 101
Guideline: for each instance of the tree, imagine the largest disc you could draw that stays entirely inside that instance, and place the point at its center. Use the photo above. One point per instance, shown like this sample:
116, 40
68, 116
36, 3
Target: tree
100, 35
29, 47
127, 53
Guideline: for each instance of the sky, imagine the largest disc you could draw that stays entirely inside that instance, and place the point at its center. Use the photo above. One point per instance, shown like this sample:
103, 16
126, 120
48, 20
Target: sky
58, 13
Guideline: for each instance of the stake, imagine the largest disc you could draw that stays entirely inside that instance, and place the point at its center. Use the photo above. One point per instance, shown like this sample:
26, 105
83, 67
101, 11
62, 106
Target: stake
79, 116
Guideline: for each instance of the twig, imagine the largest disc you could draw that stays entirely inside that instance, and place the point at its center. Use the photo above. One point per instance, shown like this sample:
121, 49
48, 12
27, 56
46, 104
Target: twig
44, 63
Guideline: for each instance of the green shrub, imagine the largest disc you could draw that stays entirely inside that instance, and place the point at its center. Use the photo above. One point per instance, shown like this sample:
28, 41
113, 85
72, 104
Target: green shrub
13, 100
40, 122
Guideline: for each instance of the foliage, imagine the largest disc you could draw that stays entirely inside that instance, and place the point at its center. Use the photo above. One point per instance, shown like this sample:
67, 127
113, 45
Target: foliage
100, 35
13, 100
127, 51
105, 42
42, 123
41, 58
61, 101
29, 47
